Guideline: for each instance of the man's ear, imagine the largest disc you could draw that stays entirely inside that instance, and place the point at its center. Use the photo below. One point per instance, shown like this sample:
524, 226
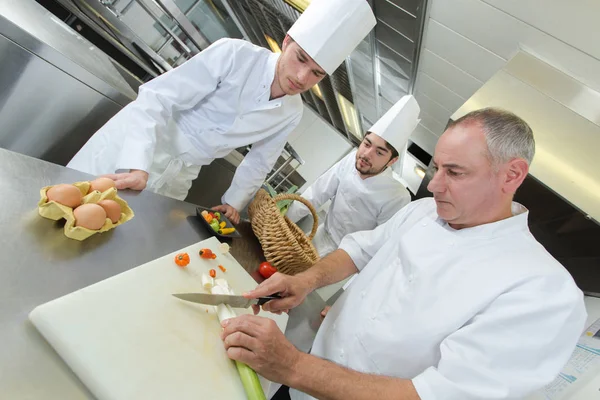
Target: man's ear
516, 171
286, 42
392, 161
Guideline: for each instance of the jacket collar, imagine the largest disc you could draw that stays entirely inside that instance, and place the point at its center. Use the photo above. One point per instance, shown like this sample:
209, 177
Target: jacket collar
516, 223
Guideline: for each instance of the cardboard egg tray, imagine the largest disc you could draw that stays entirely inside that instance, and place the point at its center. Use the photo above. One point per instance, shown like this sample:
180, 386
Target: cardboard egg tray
55, 211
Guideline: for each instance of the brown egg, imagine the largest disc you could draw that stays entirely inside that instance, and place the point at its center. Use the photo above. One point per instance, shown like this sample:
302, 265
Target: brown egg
112, 208
64, 194
101, 184
90, 216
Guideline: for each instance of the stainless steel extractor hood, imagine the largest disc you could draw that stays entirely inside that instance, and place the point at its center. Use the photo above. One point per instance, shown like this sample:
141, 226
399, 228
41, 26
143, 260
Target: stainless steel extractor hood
565, 117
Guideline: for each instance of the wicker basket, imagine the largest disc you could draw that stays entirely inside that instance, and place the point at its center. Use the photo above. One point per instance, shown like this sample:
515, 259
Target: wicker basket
285, 245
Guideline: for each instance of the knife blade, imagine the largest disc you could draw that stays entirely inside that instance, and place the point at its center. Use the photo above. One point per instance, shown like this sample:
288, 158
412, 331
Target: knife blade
216, 299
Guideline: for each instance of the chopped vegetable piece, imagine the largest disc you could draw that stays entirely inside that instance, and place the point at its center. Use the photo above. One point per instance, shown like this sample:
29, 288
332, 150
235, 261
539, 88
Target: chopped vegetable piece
207, 282
224, 248
223, 224
222, 283
218, 215
182, 259
207, 253
212, 273
208, 218
222, 268
226, 231
215, 225
266, 270
204, 213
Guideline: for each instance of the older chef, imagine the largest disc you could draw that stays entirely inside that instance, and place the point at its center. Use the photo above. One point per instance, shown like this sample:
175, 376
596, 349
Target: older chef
363, 191
231, 95
455, 299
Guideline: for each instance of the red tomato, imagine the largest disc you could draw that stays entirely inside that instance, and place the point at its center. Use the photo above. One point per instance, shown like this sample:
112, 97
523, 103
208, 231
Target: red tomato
266, 270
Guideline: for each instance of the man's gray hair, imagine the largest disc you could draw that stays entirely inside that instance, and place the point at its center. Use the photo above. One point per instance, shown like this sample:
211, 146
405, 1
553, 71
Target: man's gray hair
507, 135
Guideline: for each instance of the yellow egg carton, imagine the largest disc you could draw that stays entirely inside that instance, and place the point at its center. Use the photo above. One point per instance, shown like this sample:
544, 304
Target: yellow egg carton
55, 211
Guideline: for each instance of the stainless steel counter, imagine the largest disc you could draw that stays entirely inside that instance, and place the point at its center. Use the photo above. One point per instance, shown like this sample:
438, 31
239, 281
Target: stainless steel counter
39, 264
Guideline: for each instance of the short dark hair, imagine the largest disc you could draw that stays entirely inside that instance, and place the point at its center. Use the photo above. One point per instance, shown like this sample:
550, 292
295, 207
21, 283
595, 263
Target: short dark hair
389, 147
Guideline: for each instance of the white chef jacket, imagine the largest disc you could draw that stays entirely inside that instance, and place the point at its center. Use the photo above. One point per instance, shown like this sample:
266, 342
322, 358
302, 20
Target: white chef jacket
357, 204
476, 313
213, 103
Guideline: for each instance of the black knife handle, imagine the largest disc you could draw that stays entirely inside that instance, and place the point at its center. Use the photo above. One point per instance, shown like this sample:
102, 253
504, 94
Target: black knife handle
263, 300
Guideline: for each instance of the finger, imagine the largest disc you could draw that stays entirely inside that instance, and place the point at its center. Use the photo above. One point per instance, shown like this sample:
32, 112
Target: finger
219, 208
242, 355
255, 309
248, 324
284, 304
235, 218
114, 177
239, 339
125, 183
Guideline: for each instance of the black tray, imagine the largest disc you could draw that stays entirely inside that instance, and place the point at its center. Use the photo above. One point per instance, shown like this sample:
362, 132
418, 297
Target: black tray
228, 224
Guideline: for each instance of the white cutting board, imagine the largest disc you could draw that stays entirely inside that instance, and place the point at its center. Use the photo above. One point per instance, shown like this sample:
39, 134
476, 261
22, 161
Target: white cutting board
127, 338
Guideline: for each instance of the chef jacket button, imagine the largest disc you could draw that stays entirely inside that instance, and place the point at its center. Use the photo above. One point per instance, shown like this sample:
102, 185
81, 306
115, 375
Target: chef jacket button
411, 277
374, 317
451, 243
424, 223
362, 294
342, 353
334, 326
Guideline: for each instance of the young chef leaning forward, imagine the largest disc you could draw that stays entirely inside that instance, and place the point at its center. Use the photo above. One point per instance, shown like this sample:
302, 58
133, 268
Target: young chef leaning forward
454, 299
231, 95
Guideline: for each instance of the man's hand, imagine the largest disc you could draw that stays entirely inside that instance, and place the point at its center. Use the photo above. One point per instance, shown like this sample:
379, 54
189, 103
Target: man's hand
293, 289
135, 179
230, 212
259, 342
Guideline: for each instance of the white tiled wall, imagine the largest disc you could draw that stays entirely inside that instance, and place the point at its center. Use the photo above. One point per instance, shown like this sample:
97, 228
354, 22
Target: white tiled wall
318, 144
467, 41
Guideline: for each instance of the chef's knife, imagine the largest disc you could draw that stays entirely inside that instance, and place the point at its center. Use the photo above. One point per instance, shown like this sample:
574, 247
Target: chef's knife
216, 299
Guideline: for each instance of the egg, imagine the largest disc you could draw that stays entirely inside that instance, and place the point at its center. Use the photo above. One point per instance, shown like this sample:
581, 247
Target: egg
112, 208
64, 194
101, 184
90, 216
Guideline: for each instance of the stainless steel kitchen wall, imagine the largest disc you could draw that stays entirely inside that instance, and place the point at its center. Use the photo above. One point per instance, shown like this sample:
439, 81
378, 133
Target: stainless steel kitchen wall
56, 89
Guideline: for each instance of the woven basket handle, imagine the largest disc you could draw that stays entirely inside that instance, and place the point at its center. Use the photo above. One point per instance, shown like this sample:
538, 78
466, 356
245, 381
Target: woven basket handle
302, 200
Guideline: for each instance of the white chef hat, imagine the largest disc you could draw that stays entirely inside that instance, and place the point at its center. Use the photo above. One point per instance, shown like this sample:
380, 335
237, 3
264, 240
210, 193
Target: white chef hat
328, 30
396, 125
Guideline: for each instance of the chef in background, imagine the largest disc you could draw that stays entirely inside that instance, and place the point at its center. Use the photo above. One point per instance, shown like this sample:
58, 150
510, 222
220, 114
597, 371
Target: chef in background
362, 190
454, 300
230, 95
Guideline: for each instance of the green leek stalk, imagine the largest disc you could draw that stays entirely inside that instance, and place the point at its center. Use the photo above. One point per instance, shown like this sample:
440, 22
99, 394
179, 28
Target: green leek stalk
248, 376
